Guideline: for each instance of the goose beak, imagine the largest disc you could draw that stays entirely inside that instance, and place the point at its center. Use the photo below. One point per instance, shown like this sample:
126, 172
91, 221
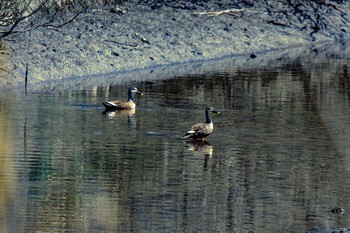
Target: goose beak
216, 112
139, 93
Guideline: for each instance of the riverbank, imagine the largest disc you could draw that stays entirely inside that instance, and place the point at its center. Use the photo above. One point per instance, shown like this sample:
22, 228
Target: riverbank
136, 36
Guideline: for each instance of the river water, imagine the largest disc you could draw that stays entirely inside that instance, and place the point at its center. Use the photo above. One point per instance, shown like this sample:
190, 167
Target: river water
277, 161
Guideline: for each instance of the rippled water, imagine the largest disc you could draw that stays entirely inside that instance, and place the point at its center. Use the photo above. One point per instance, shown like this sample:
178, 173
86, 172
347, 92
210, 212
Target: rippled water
277, 161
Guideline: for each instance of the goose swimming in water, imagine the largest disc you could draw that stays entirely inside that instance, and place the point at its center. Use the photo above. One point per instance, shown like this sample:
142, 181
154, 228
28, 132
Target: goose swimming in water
201, 130
120, 105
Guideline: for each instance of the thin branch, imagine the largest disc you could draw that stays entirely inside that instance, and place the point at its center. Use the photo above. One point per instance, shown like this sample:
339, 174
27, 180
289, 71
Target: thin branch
134, 45
20, 19
59, 25
229, 11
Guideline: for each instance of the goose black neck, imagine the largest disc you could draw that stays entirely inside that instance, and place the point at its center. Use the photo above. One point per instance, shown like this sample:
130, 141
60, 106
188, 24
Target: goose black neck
131, 97
207, 118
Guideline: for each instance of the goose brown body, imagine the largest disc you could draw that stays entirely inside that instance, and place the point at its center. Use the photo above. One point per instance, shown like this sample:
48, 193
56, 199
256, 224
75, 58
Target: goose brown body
120, 105
201, 130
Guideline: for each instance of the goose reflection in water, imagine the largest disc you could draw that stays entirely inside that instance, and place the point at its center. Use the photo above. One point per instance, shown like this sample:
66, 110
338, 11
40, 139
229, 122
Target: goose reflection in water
199, 147
203, 149
129, 113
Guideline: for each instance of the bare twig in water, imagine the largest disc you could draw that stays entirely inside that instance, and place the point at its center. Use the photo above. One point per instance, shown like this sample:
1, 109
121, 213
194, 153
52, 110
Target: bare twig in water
26, 79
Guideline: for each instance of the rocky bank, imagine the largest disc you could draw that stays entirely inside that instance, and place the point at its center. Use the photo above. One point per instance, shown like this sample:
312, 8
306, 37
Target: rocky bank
131, 36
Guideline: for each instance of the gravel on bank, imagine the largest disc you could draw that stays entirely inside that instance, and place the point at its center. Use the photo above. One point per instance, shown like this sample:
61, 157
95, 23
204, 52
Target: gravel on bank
133, 36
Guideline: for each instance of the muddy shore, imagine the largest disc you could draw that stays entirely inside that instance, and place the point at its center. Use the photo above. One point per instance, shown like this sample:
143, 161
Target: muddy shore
130, 36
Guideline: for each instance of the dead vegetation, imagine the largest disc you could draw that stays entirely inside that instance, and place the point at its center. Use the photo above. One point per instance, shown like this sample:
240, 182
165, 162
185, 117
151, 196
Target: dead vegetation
42, 13
229, 11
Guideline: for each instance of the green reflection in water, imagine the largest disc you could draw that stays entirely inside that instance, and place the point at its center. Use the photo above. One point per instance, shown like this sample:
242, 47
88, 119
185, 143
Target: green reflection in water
7, 173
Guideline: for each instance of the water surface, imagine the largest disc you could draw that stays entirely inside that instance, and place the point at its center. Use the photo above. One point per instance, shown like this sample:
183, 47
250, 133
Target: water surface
278, 160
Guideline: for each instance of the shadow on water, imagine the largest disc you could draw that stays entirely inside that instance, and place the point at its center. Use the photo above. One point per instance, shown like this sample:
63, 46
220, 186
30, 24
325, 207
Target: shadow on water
277, 160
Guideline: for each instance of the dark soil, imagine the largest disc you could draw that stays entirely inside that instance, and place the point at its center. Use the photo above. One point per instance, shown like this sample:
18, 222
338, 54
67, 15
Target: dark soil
133, 36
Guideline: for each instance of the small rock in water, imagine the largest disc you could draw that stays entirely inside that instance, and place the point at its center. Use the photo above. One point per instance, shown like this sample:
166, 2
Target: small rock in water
252, 56
118, 10
337, 210
143, 39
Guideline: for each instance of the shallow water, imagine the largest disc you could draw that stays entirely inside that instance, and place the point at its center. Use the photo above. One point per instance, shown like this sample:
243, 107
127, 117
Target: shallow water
277, 161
